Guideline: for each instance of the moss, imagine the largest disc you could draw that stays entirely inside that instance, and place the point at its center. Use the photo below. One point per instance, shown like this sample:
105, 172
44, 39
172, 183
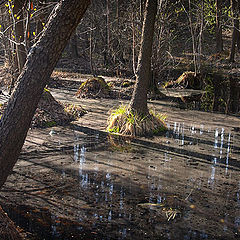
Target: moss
50, 124
127, 83
94, 87
46, 90
126, 122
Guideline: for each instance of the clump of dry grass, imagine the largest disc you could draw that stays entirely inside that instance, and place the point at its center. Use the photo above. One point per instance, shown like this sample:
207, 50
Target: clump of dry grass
126, 122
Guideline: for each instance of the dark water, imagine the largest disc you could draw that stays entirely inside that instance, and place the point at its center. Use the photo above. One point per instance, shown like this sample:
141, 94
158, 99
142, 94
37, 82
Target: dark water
83, 184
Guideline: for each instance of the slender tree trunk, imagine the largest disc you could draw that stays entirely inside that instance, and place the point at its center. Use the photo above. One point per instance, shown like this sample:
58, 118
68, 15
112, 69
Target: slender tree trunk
40, 63
219, 40
234, 96
107, 37
19, 34
139, 99
193, 35
73, 46
91, 48
41, 18
200, 38
133, 44
21, 55
6, 43
27, 27
235, 32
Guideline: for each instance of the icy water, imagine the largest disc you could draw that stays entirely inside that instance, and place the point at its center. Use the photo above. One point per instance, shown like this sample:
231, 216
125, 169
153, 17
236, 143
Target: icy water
75, 183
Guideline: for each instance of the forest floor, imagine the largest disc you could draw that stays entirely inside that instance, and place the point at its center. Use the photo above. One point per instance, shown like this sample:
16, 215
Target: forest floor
78, 182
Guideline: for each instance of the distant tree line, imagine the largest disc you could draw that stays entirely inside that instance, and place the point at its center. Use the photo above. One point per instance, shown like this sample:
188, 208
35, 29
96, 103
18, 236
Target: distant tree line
108, 37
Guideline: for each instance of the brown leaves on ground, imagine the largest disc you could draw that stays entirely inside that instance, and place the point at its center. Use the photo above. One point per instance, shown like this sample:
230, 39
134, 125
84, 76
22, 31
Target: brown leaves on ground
51, 112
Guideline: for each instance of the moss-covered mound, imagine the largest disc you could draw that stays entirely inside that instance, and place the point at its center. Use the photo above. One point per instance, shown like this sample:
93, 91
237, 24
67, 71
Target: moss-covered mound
187, 80
125, 122
95, 87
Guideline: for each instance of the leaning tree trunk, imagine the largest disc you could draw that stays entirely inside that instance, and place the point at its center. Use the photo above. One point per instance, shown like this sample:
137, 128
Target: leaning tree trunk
40, 63
219, 40
139, 99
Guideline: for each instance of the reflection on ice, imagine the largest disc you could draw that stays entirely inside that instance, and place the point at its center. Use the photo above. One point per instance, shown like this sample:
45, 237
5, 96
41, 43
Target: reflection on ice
228, 151
201, 129
113, 200
216, 139
76, 152
221, 145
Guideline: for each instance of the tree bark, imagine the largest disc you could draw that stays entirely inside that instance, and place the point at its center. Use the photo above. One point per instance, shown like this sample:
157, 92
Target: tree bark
234, 96
235, 32
40, 63
19, 34
139, 99
73, 46
219, 40
18, 28
41, 18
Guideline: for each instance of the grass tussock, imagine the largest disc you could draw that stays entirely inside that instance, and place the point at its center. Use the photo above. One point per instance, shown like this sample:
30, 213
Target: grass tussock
125, 122
95, 87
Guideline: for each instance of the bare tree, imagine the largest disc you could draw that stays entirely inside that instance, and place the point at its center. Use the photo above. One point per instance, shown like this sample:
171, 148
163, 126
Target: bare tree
139, 99
142, 121
235, 31
219, 40
19, 33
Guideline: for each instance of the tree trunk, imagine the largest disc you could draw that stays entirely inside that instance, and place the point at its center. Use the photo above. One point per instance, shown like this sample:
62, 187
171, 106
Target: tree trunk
40, 63
73, 46
41, 18
107, 38
235, 32
219, 41
234, 96
18, 28
238, 30
19, 34
139, 99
